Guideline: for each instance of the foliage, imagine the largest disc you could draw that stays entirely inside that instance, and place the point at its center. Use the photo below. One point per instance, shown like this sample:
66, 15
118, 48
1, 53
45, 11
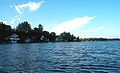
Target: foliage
38, 34
52, 37
67, 37
5, 31
23, 30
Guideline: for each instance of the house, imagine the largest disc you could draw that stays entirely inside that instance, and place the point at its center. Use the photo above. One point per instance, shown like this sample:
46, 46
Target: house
14, 38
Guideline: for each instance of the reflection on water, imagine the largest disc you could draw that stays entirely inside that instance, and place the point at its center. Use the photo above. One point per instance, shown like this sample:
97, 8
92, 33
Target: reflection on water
79, 57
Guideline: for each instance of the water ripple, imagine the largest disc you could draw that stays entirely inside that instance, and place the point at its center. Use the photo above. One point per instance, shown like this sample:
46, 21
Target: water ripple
79, 57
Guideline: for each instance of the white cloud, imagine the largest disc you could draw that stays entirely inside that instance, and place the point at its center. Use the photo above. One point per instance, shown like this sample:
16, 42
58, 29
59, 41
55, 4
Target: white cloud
5, 21
71, 25
11, 22
31, 6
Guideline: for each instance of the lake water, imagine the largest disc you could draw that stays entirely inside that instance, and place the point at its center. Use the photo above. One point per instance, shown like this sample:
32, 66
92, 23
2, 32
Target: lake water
73, 57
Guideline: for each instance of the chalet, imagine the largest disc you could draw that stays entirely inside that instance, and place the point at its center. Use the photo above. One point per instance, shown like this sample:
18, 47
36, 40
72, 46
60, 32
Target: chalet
14, 38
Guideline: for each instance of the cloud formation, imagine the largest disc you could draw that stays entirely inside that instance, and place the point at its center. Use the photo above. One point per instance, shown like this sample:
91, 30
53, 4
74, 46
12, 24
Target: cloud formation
30, 6
11, 21
5, 21
71, 25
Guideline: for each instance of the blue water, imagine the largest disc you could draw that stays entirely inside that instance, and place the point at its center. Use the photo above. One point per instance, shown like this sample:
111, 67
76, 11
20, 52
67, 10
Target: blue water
73, 57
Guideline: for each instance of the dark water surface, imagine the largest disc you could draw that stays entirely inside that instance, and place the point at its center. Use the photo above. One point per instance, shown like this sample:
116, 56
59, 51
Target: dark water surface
78, 57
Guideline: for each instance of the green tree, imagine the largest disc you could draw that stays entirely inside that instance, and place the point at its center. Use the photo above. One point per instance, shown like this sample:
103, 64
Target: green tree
24, 27
24, 30
5, 31
40, 27
78, 39
37, 33
52, 37
72, 38
45, 36
65, 36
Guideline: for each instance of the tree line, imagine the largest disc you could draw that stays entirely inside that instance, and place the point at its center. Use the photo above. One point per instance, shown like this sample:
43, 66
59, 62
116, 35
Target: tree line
38, 34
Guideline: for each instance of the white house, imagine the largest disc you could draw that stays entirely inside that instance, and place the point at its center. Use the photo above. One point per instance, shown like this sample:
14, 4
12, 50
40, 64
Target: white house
14, 38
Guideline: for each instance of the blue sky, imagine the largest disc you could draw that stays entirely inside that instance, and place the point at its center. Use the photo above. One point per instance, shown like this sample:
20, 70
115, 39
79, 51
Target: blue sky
84, 18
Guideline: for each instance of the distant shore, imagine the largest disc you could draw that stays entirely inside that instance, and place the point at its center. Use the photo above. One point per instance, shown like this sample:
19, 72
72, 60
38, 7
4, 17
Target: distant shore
81, 40
23, 33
